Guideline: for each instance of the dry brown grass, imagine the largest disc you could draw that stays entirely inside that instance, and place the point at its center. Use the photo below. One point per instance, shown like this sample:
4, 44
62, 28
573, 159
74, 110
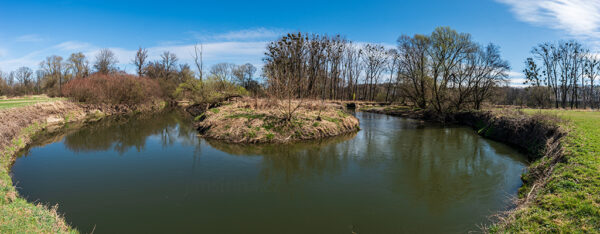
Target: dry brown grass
264, 121
13, 120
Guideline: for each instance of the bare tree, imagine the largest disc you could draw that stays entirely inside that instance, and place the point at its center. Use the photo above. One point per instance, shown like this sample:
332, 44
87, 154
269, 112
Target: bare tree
184, 74
335, 53
414, 68
198, 60
374, 61
592, 68
141, 57
285, 69
447, 48
105, 62
39, 77
352, 69
223, 71
168, 62
244, 74
78, 65
54, 70
24, 77
392, 67
490, 71
535, 81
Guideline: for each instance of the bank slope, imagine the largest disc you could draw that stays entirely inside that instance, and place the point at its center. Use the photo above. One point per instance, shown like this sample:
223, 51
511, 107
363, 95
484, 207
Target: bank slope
569, 201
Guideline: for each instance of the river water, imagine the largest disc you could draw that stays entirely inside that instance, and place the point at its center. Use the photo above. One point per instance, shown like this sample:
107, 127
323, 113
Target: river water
153, 174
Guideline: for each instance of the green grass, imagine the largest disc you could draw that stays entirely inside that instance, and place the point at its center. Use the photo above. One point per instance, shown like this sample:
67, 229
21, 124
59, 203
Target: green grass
333, 120
342, 114
199, 117
247, 116
25, 101
251, 134
570, 201
268, 125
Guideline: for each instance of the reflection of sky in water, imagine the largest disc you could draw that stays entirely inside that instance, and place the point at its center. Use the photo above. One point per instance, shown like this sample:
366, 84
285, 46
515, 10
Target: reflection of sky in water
153, 174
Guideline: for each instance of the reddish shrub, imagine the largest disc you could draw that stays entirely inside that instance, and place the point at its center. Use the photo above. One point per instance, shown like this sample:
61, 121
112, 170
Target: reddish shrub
112, 89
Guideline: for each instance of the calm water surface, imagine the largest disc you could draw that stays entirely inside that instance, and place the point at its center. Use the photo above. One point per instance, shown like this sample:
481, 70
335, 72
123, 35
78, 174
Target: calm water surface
153, 174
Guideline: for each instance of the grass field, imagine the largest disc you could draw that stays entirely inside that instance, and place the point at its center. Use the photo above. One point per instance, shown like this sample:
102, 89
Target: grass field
25, 101
570, 201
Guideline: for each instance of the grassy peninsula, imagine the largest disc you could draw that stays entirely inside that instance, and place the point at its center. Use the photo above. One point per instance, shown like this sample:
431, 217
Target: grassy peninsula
268, 121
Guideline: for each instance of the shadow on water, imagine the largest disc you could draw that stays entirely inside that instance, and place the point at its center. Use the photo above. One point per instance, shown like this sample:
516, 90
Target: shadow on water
152, 173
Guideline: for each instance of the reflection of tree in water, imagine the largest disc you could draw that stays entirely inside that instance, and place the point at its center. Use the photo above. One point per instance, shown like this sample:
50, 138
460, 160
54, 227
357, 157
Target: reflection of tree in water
122, 133
435, 164
381, 135
449, 164
285, 163
438, 165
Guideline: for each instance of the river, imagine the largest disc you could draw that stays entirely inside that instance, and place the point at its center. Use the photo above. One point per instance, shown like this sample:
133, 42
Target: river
153, 174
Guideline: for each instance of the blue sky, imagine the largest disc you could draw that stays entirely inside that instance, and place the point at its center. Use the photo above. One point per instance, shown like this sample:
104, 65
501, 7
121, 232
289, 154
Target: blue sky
236, 31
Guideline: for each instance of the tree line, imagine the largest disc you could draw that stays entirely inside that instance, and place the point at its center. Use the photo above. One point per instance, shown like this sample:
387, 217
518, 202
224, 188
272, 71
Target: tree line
54, 71
562, 74
444, 70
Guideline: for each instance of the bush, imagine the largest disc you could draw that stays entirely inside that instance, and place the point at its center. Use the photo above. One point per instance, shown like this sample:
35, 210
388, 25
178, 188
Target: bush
112, 89
208, 91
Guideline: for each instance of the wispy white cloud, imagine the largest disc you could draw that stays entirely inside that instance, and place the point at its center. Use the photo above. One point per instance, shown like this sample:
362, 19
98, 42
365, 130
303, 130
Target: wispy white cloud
215, 52
29, 38
29, 60
578, 18
259, 33
516, 79
73, 45
240, 35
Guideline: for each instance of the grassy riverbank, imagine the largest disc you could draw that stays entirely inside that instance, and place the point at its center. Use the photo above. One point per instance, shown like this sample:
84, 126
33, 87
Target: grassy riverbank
18, 126
6, 103
570, 198
264, 121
